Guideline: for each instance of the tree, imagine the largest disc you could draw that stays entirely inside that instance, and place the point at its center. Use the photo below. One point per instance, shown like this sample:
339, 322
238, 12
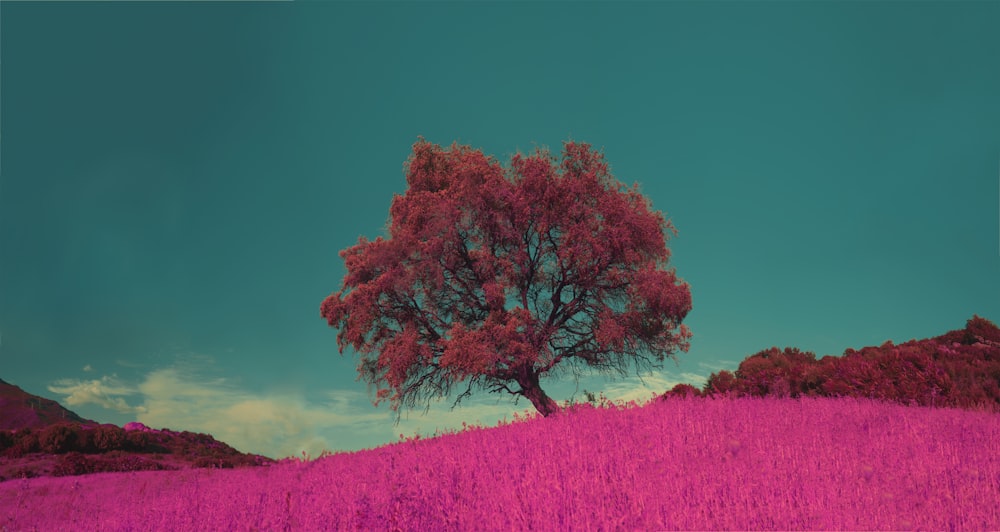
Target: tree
722, 382
492, 278
682, 390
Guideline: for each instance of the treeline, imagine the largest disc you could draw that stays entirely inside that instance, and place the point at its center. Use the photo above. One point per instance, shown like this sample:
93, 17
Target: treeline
958, 369
83, 449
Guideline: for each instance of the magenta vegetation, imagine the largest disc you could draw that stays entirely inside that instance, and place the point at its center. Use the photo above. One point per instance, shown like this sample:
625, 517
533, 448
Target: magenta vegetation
67, 449
695, 463
960, 368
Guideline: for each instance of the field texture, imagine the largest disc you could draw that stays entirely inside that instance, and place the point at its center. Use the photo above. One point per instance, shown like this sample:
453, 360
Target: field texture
677, 464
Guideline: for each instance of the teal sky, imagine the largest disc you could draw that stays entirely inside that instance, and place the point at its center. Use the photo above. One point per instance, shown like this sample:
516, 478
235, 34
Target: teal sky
176, 180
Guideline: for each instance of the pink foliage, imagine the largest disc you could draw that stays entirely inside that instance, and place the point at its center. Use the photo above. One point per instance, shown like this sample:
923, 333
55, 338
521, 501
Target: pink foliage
960, 368
493, 276
675, 464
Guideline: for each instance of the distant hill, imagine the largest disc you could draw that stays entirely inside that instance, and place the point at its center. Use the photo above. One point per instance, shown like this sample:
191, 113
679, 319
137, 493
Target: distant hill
20, 409
38, 437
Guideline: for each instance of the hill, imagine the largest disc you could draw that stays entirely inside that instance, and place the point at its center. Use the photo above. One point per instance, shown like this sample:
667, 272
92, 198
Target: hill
20, 409
38, 437
680, 464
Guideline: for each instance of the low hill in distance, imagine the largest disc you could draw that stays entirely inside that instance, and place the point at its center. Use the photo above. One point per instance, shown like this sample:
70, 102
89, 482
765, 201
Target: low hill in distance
38, 437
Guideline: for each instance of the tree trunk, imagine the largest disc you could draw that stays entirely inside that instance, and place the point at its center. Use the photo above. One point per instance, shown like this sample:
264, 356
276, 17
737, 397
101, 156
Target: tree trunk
531, 390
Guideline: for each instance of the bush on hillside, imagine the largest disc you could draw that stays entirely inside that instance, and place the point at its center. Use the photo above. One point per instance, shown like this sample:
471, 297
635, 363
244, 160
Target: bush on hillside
109, 438
958, 369
23, 441
137, 441
57, 439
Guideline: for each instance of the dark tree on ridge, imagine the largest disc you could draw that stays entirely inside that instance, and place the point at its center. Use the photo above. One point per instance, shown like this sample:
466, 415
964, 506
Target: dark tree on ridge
491, 278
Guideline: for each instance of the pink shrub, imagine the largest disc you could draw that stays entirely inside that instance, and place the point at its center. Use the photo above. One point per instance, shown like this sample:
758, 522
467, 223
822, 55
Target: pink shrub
680, 464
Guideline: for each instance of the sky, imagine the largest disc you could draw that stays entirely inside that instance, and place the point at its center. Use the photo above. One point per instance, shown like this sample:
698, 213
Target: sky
177, 179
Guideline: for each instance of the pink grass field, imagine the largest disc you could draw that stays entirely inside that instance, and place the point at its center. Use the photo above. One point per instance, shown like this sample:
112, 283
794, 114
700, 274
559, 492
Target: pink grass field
680, 464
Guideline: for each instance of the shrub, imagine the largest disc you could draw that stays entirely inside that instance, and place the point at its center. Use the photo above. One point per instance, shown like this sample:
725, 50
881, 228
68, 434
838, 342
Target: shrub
71, 464
24, 441
129, 462
215, 462
109, 438
58, 439
136, 440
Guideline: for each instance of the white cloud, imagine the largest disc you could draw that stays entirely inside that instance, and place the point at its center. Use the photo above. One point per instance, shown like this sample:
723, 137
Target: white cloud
694, 379
106, 391
88, 368
273, 424
649, 385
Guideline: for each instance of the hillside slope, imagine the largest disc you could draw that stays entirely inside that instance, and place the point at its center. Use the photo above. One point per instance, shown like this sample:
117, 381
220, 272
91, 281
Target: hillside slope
20, 409
680, 464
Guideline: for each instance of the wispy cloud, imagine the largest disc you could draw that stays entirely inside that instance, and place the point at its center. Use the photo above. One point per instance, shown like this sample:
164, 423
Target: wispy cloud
274, 424
644, 387
108, 391
282, 423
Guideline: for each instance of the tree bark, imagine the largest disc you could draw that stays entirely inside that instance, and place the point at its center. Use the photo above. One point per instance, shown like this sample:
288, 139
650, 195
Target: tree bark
531, 390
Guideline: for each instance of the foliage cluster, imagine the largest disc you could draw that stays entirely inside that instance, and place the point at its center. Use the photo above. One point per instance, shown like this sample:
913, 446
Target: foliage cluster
74, 463
103, 448
64, 438
958, 369
682, 464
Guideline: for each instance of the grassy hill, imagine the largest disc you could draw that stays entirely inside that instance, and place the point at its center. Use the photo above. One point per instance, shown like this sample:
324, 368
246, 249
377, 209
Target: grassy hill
676, 464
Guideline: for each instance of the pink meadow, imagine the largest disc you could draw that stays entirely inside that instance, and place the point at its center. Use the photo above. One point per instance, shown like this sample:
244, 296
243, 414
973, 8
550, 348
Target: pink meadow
679, 464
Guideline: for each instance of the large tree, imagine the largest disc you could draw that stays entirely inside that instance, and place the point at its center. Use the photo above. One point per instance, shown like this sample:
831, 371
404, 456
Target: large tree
491, 278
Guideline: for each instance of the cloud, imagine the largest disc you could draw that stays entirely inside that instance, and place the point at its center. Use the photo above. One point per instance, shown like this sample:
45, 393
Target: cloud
286, 424
693, 379
273, 424
88, 368
106, 391
641, 389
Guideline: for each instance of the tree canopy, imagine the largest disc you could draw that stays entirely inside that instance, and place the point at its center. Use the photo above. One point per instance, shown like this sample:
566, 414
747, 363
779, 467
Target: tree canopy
493, 277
